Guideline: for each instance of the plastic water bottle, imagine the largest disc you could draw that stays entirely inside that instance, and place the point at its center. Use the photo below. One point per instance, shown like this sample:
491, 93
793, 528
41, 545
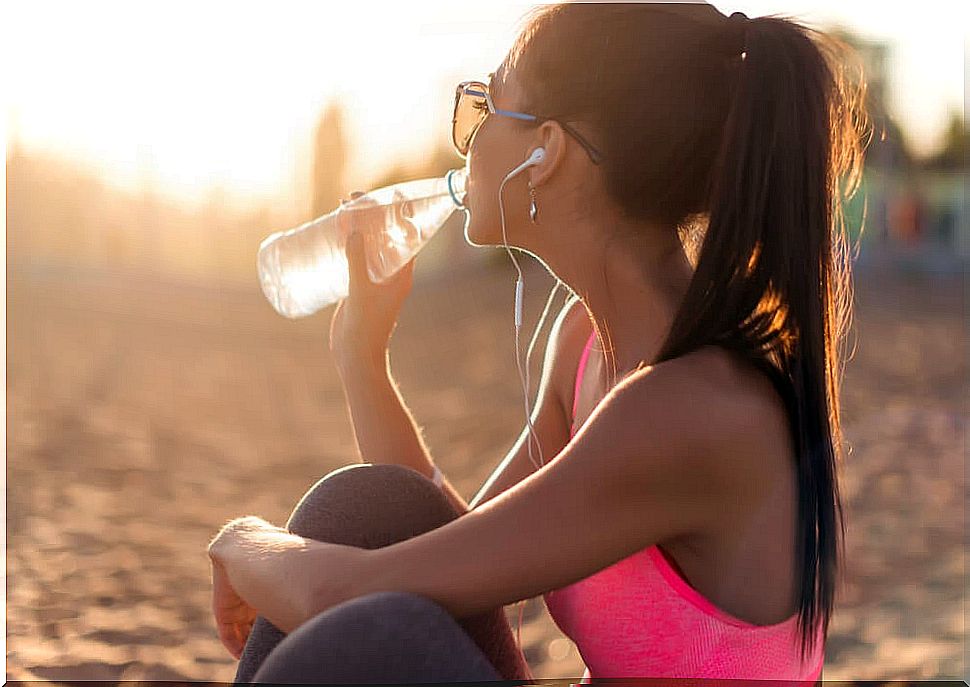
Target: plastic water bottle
305, 268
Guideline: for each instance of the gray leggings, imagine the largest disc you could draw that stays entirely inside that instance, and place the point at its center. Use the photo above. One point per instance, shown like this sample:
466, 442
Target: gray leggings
386, 636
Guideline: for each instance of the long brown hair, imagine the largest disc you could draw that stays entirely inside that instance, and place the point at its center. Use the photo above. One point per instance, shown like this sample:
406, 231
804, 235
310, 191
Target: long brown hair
752, 128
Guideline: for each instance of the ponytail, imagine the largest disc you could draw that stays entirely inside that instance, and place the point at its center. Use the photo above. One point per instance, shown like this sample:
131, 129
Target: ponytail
772, 281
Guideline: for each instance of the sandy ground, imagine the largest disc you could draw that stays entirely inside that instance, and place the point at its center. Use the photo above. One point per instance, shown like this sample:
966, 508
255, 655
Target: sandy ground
142, 415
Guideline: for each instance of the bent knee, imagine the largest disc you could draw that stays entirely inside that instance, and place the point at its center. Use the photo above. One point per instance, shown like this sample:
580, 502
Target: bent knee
358, 478
371, 505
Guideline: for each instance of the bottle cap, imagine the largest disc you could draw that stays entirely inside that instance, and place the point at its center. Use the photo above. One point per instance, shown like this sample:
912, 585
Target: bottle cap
457, 178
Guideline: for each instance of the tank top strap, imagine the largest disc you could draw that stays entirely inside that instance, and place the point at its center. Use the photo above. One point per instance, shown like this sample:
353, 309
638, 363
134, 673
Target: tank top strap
580, 369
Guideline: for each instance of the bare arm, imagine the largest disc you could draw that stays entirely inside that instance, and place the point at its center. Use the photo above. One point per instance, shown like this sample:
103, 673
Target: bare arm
551, 416
257, 555
386, 432
640, 471
383, 426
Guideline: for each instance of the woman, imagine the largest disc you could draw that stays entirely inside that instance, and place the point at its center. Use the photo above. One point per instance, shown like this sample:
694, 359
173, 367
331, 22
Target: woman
689, 524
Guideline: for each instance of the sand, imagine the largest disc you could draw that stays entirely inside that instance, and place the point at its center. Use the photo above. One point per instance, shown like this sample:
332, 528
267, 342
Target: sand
142, 414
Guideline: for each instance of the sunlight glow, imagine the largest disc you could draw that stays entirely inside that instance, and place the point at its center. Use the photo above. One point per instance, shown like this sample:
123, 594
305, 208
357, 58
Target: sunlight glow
194, 96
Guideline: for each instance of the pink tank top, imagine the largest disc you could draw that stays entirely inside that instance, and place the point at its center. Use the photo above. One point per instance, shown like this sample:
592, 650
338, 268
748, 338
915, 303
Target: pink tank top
640, 618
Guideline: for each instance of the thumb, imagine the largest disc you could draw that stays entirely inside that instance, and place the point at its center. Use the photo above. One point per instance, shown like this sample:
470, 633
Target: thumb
406, 272
356, 261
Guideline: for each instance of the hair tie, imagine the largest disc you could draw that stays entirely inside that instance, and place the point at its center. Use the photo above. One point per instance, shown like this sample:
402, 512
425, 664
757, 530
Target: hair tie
738, 23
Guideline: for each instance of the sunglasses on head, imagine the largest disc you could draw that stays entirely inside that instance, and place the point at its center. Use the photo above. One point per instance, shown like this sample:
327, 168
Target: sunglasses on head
473, 104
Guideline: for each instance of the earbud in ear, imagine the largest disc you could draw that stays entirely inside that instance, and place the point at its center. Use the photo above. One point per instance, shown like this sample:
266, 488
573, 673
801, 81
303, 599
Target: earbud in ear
537, 156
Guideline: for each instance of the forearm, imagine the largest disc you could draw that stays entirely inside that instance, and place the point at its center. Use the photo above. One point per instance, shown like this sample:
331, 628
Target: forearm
384, 428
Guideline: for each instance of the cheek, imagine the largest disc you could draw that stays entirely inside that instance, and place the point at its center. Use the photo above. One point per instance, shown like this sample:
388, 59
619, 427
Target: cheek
477, 200
483, 225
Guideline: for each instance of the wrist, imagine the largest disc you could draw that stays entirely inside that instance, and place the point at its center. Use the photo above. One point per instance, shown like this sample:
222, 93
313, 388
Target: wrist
363, 364
353, 572
367, 574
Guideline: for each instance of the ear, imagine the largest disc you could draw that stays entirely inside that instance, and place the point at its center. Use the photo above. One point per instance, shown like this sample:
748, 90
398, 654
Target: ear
552, 137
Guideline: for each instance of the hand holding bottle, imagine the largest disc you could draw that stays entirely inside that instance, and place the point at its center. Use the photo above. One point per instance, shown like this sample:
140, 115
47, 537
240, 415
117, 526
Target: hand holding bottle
363, 322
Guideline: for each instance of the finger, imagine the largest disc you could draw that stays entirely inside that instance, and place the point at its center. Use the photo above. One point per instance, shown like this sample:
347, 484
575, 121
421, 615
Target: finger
354, 195
403, 276
356, 261
241, 636
406, 271
233, 647
228, 641
236, 643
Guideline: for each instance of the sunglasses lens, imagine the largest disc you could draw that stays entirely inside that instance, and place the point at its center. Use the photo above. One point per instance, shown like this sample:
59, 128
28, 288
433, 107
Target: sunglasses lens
470, 110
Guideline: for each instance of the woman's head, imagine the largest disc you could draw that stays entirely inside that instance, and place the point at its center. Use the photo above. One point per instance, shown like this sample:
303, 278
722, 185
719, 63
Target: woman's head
647, 86
749, 131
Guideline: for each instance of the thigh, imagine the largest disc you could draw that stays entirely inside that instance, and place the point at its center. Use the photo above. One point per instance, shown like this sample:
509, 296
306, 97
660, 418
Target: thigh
370, 506
385, 637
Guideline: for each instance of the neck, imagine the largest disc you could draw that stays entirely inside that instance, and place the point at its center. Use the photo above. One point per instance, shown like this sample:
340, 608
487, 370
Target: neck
632, 289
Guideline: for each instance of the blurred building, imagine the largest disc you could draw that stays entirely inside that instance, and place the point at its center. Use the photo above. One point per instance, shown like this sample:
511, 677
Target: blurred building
329, 161
909, 214
64, 217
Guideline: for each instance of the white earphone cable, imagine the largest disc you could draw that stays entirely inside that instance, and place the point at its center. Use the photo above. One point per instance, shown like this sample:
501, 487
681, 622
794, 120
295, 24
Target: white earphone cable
528, 367
524, 380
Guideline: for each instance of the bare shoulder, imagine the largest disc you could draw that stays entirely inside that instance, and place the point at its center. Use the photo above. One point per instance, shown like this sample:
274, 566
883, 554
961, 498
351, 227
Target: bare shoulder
724, 407
567, 337
744, 418
669, 397
667, 436
574, 325
742, 389
683, 439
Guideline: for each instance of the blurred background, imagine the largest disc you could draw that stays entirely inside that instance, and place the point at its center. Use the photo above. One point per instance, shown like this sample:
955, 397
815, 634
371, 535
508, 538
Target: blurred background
153, 393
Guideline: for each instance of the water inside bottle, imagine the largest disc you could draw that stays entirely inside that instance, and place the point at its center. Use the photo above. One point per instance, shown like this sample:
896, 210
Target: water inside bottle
316, 273
394, 233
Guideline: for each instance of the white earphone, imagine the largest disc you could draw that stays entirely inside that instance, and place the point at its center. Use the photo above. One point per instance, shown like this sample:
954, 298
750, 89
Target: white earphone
535, 157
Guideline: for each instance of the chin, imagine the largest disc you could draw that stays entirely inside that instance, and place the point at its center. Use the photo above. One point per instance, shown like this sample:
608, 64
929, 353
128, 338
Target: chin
482, 234
471, 237
475, 233
482, 230
472, 229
